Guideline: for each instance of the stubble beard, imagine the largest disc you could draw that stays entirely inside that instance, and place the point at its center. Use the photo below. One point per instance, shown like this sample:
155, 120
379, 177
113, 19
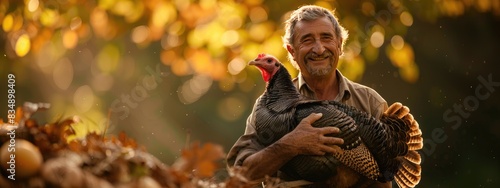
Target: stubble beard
319, 71
314, 71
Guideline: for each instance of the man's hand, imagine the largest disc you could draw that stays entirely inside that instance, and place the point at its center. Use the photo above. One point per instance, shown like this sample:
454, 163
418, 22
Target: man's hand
308, 140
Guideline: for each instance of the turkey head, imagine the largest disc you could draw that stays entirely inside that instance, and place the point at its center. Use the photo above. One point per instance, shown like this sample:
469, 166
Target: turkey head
267, 64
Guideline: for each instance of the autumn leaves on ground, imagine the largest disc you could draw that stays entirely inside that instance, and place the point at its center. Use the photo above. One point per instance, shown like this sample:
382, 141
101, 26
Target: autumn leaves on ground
47, 155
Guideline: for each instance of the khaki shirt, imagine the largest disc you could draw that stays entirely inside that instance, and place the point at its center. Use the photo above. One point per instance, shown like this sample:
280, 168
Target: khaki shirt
350, 93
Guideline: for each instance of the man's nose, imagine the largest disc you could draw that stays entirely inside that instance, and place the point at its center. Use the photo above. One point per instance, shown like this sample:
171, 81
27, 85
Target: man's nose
318, 47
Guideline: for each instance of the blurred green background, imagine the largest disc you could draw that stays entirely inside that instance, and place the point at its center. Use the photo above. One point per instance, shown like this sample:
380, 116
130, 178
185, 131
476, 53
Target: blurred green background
168, 72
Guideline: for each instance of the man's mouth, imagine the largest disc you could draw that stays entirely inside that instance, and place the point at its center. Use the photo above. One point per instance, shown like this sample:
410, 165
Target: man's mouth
318, 58
322, 58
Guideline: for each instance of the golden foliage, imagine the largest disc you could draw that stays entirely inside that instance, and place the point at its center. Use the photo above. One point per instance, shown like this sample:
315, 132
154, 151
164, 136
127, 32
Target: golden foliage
97, 160
224, 30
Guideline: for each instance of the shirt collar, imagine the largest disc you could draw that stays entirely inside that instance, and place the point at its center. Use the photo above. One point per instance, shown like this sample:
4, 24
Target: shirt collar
344, 93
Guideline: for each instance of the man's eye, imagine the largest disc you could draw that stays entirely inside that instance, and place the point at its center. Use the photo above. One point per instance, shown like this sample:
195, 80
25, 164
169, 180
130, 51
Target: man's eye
327, 38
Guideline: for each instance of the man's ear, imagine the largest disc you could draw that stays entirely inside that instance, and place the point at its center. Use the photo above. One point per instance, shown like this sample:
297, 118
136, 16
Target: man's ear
290, 50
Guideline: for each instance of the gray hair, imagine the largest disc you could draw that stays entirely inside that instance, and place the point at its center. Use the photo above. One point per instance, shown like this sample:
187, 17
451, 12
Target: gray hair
307, 13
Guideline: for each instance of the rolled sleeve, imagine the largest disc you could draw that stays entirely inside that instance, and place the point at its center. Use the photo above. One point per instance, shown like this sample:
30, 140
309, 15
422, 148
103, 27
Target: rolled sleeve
246, 145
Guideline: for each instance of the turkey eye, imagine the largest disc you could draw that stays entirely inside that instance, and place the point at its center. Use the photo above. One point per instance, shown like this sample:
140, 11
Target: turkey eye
269, 60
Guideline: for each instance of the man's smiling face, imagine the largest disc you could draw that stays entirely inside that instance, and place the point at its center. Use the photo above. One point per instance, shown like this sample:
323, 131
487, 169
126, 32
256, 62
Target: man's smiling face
315, 48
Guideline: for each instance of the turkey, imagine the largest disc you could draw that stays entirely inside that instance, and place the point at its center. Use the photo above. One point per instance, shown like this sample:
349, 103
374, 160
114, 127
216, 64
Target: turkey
381, 150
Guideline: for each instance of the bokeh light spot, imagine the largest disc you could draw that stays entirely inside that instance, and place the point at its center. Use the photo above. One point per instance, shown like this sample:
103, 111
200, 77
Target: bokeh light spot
163, 14
409, 73
260, 32
236, 66
234, 22
33, 5
75, 23
102, 82
108, 59
63, 74
23, 45
70, 39
258, 14
397, 42
8, 22
229, 38
49, 17
231, 108
123, 7
402, 57
368, 8
406, 18
83, 98
194, 89
180, 67
168, 56
140, 34
377, 39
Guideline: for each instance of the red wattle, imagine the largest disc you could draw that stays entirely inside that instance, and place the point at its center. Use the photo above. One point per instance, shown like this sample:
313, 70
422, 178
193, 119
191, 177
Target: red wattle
265, 75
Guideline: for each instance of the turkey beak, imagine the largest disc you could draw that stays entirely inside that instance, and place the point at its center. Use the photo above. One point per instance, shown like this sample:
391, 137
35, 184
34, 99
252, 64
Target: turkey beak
253, 62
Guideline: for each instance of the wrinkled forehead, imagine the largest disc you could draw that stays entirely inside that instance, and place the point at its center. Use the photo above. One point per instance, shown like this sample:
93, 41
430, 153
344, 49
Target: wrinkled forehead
318, 26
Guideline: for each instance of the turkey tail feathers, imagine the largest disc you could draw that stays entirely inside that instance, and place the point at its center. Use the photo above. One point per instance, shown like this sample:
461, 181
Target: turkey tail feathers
415, 140
393, 109
409, 173
413, 157
399, 110
406, 178
416, 132
411, 169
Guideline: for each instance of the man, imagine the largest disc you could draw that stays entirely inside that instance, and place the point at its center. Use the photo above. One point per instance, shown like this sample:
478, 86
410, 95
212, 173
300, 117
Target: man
314, 40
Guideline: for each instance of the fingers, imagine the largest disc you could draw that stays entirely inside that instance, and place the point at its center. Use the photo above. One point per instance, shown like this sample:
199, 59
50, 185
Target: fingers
312, 140
324, 149
328, 140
